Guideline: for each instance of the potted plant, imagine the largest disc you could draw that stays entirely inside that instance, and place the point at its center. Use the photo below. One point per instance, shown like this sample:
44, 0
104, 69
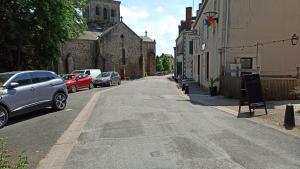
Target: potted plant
212, 88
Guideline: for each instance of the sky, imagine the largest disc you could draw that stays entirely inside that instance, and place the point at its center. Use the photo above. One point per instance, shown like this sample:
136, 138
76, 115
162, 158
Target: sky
159, 17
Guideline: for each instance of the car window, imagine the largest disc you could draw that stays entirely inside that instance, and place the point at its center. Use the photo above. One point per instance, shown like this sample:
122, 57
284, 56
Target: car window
23, 79
104, 74
4, 78
69, 77
88, 72
38, 77
85, 76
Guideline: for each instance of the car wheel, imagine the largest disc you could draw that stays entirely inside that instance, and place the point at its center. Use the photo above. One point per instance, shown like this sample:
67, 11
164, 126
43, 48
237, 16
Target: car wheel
119, 83
59, 101
3, 116
91, 86
74, 89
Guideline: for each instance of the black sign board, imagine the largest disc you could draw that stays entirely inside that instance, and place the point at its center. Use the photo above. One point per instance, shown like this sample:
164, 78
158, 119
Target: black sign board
251, 93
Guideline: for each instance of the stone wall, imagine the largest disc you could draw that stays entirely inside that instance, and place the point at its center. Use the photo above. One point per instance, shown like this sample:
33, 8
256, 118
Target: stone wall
78, 54
149, 58
111, 45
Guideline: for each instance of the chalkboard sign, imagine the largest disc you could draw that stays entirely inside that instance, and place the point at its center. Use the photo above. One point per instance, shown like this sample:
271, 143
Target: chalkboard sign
253, 88
251, 93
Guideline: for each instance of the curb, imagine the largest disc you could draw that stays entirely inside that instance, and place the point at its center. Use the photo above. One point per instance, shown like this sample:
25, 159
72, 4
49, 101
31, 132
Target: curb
257, 120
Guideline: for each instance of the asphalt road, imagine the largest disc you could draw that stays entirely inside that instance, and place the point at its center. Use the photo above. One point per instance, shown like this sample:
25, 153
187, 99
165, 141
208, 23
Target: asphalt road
147, 125
37, 132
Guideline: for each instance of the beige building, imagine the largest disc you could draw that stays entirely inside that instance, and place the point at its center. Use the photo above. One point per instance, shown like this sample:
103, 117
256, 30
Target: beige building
251, 35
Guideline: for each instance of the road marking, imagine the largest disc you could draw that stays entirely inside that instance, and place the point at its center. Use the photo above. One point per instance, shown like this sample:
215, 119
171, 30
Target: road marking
58, 154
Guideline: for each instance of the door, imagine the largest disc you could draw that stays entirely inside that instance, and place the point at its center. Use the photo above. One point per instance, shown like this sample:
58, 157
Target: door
80, 81
22, 97
43, 87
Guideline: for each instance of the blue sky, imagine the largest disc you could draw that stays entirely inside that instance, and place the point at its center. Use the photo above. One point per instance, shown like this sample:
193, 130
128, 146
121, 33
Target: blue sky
159, 17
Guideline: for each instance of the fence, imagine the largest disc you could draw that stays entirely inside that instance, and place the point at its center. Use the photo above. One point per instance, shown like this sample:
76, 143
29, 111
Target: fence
273, 88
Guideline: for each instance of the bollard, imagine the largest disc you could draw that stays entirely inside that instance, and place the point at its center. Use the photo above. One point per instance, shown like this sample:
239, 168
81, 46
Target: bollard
187, 89
289, 118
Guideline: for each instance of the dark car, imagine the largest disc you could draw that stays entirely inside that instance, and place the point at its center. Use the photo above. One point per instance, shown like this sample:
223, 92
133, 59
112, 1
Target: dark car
78, 81
27, 91
108, 79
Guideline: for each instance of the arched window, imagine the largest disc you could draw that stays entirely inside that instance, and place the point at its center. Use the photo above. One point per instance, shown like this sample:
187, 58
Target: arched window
113, 13
97, 10
105, 13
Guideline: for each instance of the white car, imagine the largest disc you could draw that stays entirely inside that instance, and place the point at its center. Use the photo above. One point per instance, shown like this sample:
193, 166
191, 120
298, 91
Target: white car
91, 72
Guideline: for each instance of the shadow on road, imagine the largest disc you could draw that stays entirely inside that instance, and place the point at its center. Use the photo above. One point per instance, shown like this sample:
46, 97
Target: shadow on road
29, 116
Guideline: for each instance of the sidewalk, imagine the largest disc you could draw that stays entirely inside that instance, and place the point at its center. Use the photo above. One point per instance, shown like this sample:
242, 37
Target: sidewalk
276, 109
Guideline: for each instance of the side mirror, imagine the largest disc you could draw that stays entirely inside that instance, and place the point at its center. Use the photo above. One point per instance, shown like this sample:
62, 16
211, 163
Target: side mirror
12, 85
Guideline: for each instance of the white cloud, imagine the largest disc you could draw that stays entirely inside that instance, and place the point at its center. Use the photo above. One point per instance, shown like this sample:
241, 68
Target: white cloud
133, 13
160, 9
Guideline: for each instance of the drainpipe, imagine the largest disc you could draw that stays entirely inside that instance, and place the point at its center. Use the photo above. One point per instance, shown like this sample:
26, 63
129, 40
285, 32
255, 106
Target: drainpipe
226, 35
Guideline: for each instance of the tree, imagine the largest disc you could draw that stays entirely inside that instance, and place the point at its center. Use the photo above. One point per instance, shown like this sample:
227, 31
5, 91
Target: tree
166, 64
33, 30
159, 66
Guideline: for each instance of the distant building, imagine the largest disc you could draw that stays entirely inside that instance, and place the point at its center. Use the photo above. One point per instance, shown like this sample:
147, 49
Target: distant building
149, 52
108, 44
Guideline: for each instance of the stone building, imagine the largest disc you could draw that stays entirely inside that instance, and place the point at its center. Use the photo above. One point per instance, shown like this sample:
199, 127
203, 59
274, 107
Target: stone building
108, 44
149, 52
121, 50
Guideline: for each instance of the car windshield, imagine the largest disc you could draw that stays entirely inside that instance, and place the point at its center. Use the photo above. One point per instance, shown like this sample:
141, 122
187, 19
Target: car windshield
104, 74
69, 77
78, 71
4, 78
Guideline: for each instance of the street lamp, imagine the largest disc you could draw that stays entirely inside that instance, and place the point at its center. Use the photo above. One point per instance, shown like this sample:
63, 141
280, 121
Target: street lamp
295, 39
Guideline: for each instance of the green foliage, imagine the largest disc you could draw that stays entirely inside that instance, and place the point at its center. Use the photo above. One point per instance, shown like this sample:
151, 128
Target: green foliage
213, 80
159, 65
4, 162
166, 62
32, 31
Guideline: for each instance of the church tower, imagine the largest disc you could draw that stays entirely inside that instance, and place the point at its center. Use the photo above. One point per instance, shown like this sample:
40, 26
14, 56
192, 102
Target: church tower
102, 14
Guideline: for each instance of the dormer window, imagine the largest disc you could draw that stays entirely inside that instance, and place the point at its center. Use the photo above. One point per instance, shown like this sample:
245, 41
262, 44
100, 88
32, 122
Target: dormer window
97, 10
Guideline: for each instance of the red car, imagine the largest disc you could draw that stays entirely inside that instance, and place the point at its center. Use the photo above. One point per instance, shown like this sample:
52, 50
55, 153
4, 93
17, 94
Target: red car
75, 82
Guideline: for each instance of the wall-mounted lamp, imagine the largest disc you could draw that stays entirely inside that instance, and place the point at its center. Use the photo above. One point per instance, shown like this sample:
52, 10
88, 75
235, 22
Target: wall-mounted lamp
294, 39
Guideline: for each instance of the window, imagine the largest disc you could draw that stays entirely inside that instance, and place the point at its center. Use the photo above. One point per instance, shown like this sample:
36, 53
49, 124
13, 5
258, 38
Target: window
38, 77
105, 13
97, 10
191, 47
207, 65
113, 13
23, 79
246, 63
123, 56
88, 72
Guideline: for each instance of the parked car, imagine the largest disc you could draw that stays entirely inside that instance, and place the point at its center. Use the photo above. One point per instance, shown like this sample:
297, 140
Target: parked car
75, 82
91, 72
27, 91
108, 79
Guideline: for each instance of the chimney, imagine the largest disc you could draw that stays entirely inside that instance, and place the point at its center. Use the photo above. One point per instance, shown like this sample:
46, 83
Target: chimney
189, 14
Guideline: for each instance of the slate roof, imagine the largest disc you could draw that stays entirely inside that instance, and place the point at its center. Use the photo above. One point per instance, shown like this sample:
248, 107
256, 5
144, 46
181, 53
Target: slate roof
146, 39
89, 35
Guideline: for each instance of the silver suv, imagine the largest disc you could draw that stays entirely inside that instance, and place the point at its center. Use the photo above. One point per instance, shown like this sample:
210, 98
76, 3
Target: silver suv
23, 92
